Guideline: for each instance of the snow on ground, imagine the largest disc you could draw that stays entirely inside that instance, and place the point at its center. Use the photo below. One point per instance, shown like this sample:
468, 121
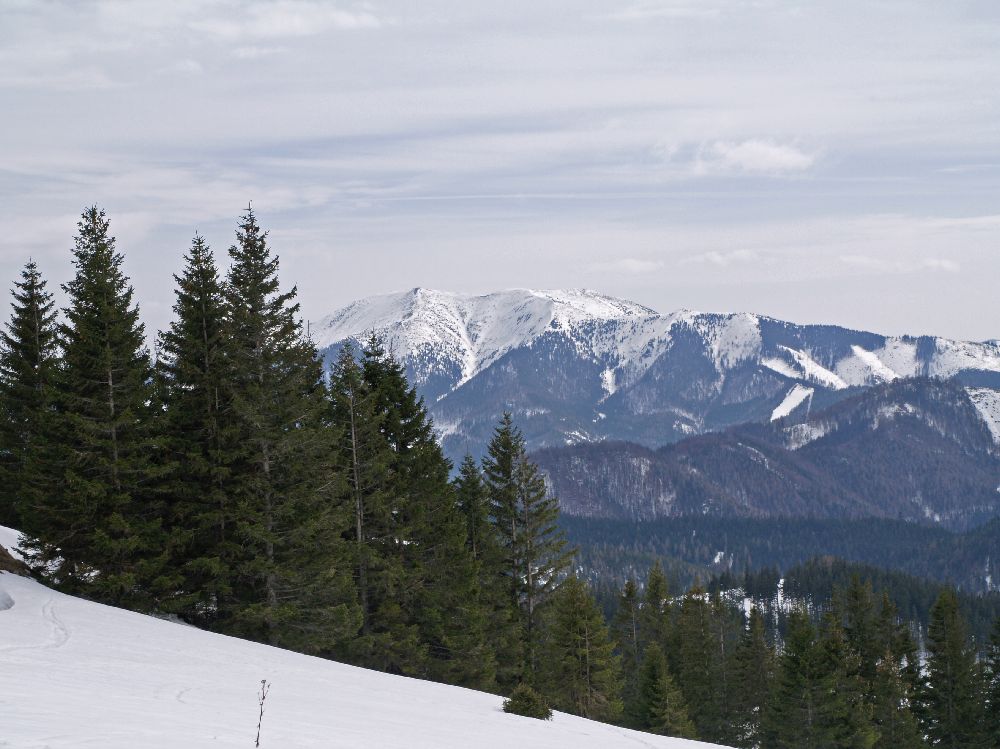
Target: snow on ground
864, 367
813, 371
79, 674
987, 402
793, 400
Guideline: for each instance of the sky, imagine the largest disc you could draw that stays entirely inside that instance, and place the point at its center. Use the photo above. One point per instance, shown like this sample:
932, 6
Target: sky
824, 161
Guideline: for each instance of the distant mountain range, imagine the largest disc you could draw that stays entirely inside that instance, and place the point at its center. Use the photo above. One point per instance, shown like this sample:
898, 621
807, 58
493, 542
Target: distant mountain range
916, 450
578, 367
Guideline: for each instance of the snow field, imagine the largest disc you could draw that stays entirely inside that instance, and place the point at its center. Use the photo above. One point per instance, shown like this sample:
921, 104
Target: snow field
80, 674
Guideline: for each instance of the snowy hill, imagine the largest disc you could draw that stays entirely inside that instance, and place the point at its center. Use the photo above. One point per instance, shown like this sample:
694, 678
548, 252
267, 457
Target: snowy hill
578, 366
78, 673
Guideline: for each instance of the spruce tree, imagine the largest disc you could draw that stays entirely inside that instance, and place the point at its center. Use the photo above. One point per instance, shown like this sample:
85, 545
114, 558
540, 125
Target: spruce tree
949, 699
698, 663
365, 458
439, 593
534, 549
292, 587
102, 532
484, 544
581, 671
198, 437
991, 726
845, 712
625, 630
660, 705
893, 691
892, 697
28, 362
753, 672
792, 717
654, 613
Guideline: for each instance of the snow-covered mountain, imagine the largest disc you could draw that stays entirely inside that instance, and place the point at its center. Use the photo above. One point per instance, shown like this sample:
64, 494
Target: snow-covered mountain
578, 366
78, 673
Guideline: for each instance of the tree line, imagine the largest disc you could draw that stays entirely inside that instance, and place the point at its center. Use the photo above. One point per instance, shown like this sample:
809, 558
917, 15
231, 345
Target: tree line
846, 675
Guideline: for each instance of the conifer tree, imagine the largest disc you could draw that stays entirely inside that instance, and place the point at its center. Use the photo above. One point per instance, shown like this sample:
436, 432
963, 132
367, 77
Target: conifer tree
484, 544
365, 457
698, 665
892, 697
949, 699
654, 614
753, 672
28, 361
534, 549
103, 532
473, 503
581, 670
660, 706
845, 711
860, 626
625, 630
418, 582
293, 587
791, 720
198, 436
991, 725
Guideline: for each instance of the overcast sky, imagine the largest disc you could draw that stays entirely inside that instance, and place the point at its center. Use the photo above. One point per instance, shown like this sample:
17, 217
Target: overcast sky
815, 161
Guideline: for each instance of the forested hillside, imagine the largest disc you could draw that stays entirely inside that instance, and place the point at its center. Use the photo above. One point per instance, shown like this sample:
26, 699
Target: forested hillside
703, 546
914, 450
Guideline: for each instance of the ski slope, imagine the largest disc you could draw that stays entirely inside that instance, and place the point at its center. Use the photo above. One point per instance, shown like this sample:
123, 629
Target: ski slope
79, 674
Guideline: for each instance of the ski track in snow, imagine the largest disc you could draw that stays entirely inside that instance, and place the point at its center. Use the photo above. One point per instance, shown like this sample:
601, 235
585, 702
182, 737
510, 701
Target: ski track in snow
80, 674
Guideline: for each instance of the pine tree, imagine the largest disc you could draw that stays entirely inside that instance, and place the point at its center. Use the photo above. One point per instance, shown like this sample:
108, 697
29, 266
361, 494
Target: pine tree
625, 630
753, 672
103, 533
194, 369
581, 670
661, 708
293, 586
534, 549
28, 362
949, 697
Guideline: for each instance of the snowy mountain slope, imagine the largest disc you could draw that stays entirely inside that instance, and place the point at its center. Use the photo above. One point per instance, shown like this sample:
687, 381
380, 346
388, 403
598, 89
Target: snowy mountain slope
987, 402
578, 366
79, 674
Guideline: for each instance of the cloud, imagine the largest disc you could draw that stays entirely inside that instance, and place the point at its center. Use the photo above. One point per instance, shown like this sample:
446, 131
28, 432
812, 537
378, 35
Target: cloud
673, 9
287, 18
723, 259
881, 265
753, 156
627, 265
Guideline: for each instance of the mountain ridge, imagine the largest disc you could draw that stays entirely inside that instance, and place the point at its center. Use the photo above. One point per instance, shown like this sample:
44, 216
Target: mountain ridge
580, 366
